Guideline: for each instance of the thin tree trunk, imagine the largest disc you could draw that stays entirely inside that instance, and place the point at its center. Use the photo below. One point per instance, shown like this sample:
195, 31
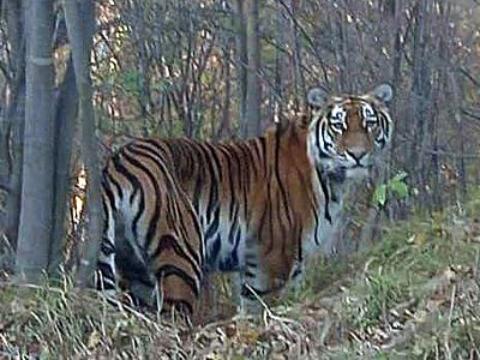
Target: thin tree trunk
280, 24
15, 115
80, 25
300, 88
224, 130
144, 99
36, 215
12, 16
66, 112
254, 95
242, 62
418, 95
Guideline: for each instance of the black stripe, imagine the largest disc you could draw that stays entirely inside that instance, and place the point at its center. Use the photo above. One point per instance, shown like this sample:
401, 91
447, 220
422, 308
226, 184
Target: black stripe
325, 129
263, 144
107, 191
156, 147
153, 222
172, 208
231, 185
109, 176
241, 172
108, 180
198, 192
297, 272
318, 135
168, 242
233, 227
106, 247
283, 191
199, 231
213, 227
106, 212
235, 248
246, 150
117, 164
169, 270
263, 221
255, 146
216, 159
213, 198
247, 181
300, 247
326, 195
106, 270
135, 185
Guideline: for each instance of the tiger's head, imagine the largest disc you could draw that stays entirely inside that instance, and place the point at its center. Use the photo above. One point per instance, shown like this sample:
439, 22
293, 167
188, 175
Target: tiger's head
347, 132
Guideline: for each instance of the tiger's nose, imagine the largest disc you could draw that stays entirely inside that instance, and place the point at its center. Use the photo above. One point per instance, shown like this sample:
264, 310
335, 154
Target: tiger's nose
357, 154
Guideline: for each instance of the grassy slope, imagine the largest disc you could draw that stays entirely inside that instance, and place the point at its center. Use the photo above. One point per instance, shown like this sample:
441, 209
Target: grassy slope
414, 295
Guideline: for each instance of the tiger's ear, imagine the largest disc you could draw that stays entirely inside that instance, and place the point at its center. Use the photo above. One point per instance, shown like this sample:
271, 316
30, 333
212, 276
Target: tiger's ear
316, 97
382, 92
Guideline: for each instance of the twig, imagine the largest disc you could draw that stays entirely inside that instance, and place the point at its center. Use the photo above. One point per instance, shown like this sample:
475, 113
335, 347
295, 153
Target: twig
269, 314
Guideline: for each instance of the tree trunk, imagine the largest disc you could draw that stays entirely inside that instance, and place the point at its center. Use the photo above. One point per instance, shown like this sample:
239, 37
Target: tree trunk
280, 25
66, 112
36, 215
242, 62
300, 88
15, 116
80, 19
224, 130
254, 93
420, 99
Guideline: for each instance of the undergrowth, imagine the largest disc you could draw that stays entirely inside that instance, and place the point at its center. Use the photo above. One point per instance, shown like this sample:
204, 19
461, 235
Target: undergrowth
415, 294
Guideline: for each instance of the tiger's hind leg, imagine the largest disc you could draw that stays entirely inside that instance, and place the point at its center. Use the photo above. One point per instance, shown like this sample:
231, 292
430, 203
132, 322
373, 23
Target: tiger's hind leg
110, 277
178, 276
106, 277
175, 255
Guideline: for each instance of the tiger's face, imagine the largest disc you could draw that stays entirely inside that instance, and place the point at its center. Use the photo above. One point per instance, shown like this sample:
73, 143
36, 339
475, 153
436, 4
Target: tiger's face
347, 132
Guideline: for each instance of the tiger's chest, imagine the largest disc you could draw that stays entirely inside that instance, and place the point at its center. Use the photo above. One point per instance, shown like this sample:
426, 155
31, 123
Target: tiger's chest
320, 237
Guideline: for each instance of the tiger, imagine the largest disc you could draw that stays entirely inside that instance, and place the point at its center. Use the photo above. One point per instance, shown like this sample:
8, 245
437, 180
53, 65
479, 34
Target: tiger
179, 209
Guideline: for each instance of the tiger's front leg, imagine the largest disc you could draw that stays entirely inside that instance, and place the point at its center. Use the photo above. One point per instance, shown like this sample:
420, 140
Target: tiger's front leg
252, 285
296, 279
268, 274
256, 281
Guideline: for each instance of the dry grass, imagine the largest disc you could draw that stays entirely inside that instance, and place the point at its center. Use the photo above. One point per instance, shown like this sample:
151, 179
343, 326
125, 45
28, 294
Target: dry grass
414, 295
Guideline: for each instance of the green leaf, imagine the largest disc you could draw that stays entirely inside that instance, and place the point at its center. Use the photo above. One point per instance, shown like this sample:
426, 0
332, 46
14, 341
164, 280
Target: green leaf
380, 195
399, 188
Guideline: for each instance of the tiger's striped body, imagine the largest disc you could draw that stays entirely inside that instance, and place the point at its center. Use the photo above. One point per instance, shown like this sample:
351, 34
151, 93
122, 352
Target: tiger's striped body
258, 206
